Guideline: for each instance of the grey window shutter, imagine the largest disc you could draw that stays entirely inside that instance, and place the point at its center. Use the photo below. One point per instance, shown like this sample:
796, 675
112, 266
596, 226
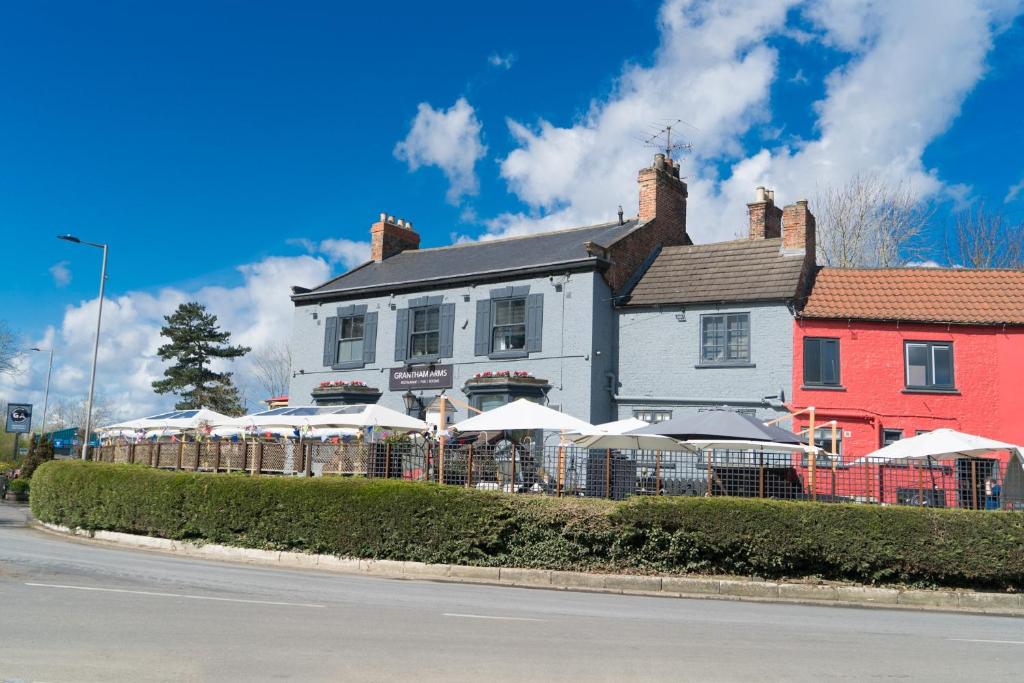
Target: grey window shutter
330, 341
402, 334
534, 322
370, 338
446, 346
482, 347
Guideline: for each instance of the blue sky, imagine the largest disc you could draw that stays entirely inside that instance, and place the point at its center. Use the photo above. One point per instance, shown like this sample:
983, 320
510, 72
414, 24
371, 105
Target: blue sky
226, 150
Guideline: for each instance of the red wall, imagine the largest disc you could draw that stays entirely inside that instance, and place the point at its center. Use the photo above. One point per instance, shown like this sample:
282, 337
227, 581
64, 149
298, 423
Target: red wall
988, 366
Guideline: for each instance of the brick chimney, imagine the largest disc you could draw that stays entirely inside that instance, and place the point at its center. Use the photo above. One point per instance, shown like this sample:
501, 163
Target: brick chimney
389, 237
798, 230
662, 193
765, 217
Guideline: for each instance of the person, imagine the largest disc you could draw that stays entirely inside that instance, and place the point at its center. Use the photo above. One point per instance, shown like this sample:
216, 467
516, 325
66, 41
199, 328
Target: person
992, 492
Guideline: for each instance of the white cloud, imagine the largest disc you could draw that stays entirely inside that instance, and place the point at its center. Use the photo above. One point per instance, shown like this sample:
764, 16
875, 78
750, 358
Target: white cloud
256, 312
502, 61
449, 139
799, 78
60, 273
907, 71
930, 263
1014, 192
347, 252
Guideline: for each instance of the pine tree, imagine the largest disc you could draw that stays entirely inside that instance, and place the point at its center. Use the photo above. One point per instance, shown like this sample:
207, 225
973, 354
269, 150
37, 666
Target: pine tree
194, 340
40, 450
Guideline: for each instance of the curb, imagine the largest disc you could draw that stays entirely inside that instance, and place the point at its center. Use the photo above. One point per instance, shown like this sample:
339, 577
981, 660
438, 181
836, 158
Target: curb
1005, 604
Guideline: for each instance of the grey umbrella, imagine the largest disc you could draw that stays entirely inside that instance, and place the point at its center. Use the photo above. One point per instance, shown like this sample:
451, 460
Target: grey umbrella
720, 424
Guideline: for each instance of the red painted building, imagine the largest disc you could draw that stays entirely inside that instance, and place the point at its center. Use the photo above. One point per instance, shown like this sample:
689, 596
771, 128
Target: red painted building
890, 353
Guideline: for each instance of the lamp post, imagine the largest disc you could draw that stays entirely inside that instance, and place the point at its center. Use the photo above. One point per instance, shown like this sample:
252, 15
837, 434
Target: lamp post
46, 392
412, 402
96, 342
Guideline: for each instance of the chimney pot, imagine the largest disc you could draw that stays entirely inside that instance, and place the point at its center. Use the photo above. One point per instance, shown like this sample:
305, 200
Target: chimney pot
760, 195
391, 219
383, 216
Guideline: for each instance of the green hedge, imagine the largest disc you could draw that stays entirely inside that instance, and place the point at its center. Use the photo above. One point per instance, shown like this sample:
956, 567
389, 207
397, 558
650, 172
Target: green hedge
397, 520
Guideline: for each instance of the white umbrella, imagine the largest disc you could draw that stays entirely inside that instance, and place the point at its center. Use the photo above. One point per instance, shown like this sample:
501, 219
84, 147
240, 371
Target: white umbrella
617, 435
939, 444
523, 414
739, 445
367, 415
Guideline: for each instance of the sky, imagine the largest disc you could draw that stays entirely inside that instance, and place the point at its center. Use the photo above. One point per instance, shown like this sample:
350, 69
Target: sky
228, 150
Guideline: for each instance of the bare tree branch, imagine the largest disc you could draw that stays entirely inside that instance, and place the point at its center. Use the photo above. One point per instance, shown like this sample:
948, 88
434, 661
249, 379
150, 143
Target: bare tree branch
273, 368
10, 350
870, 222
984, 239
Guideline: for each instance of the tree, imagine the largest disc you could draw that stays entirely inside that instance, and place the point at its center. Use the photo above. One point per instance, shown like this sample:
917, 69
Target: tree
40, 450
194, 341
273, 368
9, 349
983, 239
66, 412
870, 222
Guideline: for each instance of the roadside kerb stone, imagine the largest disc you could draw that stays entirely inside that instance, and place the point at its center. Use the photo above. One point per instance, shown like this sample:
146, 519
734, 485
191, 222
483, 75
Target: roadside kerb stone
471, 573
804, 591
382, 567
750, 589
867, 595
298, 560
626, 582
687, 586
420, 570
340, 565
578, 580
929, 599
524, 577
991, 601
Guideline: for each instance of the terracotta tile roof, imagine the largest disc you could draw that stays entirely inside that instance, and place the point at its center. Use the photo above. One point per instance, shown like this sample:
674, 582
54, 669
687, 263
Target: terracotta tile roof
740, 270
944, 295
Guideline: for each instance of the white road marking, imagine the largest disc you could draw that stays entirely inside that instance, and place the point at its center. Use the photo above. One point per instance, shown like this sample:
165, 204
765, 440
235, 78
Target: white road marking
172, 595
486, 616
981, 640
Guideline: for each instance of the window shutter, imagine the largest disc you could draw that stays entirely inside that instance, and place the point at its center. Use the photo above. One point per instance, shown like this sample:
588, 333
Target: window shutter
534, 322
447, 332
370, 338
402, 335
330, 341
483, 328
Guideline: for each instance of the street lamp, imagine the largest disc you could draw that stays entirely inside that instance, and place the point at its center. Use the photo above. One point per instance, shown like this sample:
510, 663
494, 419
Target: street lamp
46, 392
96, 342
412, 402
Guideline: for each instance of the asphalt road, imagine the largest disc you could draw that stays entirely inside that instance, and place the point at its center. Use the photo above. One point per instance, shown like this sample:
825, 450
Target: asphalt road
73, 611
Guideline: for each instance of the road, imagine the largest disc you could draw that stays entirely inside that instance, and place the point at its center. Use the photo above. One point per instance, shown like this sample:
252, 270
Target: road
75, 611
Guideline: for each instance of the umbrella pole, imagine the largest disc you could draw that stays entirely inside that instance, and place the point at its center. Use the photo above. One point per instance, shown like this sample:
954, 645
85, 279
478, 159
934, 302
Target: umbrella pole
561, 467
920, 484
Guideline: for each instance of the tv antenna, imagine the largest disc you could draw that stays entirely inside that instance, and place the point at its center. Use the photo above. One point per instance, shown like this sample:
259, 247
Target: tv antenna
662, 140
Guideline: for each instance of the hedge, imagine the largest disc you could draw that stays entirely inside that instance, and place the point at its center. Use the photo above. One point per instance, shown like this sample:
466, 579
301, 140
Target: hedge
390, 519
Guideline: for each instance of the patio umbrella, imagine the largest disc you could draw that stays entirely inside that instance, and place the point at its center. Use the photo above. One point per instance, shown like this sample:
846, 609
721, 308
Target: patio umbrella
938, 444
723, 425
617, 435
740, 445
367, 415
523, 414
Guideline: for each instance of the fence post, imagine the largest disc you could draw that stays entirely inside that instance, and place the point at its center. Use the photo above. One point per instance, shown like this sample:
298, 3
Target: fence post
760, 474
387, 460
307, 455
974, 483
216, 457
181, 453
608, 473
657, 473
469, 468
920, 484
711, 474
561, 470
514, 485
257, 459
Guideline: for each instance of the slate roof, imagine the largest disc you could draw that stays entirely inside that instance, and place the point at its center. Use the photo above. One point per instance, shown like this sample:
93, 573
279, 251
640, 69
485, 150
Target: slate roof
473, 260
740, 270
938, 295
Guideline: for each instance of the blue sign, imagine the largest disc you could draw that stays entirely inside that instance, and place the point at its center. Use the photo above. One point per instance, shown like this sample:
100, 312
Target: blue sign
19, 418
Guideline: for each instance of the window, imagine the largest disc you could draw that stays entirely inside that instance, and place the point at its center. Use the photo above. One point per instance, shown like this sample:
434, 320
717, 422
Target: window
653, 416
350, 339
425, 332
725, 339
891, 436
823, 440
929, 365
509, 323
508, 331
821, 362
